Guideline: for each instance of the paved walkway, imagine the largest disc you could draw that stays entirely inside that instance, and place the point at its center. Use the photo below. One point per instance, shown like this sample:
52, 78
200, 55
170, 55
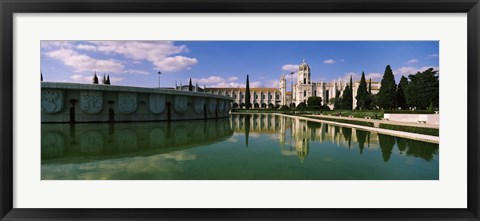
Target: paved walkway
377, 122
413, 136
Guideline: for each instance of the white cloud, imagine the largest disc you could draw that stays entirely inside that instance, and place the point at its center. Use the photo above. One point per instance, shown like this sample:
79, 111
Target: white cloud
132, 71
86, 47
272, 83
290, 67
159, 53
412, 61
228, 82
177, 63
116, 79
432, 56
374, 76
82, 79
406, 70
329, 61
52, 44
82, 63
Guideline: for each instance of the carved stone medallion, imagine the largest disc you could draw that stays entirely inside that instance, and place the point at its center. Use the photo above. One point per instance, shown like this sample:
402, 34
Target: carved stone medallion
91, 102
156, 103
52, 101
181, 103
91, 142
198, 103
212, 104
52, 144
127, 102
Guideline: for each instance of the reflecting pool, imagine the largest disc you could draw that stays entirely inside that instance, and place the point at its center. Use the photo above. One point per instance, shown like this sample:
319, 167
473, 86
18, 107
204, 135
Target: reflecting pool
241, 147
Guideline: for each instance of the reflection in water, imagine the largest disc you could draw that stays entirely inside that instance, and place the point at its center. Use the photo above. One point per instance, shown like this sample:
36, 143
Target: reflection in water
85, 141
215, 149
303, 132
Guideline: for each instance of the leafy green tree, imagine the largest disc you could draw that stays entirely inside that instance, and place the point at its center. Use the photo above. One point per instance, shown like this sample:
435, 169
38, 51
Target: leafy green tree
401, 95
190, 86
247, 94
423, 89
387, 93
362, 93
314, 103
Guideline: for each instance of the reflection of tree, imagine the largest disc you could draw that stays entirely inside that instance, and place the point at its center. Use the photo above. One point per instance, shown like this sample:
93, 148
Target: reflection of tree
347, 134
361, 137
401, 144
422, 149
302, 149
247, 128
336, 130
386, 145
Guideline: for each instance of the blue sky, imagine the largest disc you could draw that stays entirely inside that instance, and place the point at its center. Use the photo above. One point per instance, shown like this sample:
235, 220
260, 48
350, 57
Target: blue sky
226, 63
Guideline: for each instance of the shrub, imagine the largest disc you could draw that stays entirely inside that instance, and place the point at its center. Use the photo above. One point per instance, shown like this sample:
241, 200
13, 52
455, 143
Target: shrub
347, 121
284, 107
301, 106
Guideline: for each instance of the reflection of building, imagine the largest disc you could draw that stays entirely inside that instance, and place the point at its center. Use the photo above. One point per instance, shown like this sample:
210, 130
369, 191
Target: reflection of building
294, 135
302, 89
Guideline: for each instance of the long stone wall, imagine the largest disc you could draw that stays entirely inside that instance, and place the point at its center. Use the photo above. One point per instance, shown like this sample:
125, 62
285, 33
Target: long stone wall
68, 102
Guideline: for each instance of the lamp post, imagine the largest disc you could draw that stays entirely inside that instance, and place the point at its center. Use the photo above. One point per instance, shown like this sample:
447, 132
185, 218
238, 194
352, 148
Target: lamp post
291, 101
159, 73
291, 79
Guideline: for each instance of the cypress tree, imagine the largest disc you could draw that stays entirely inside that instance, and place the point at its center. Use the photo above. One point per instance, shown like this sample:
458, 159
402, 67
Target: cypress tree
108, 79
104, 80
247, 94
362, 93
190, 87
95, 78
347, 98
401, 95
387, 93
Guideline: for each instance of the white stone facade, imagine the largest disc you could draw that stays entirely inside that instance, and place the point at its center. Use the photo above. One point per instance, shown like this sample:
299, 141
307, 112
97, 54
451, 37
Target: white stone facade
303, 88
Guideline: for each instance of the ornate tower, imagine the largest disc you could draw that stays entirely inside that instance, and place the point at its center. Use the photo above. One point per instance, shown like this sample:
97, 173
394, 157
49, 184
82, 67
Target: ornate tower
283, 90
304, 73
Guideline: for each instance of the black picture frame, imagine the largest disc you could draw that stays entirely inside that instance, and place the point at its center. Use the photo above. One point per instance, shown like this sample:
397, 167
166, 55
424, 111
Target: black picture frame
9, 7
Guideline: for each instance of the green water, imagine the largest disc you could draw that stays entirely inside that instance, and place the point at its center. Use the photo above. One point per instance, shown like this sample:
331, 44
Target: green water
242, 147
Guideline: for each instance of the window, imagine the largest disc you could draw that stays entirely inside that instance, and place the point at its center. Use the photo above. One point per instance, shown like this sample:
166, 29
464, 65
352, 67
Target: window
305, 93
277, 96
304, 81
256, 96
263, 96
315, 93
270, 96
235, 96
242, 96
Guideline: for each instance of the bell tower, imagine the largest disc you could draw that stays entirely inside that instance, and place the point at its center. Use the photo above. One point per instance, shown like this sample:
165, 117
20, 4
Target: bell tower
303, 73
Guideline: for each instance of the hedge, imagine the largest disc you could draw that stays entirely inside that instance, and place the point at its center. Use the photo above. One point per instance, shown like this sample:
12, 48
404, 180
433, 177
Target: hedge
347, 121
408, 112
417, 130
